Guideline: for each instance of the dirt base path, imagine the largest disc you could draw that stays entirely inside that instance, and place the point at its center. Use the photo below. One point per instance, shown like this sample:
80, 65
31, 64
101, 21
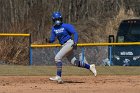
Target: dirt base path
72, 84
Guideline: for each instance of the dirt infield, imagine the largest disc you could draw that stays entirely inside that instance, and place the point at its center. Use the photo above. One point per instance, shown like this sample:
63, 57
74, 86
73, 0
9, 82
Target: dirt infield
72, 84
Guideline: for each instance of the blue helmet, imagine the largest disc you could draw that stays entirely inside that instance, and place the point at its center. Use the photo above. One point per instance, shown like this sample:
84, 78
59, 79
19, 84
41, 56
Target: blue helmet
57, 18
56, 15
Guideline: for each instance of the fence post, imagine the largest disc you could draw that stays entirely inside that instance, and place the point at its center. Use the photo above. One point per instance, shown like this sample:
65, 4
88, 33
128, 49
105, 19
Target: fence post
111, 39
30, 50
83, 55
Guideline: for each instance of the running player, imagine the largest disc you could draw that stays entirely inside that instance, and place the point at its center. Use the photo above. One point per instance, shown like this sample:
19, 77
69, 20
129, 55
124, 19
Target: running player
63, 33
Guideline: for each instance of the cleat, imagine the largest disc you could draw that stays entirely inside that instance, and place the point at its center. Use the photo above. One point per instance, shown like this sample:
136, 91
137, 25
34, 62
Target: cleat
60, 81
93, 69
57, 78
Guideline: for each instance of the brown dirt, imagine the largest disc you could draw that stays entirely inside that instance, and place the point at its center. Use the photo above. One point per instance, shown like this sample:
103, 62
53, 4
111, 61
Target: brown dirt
72, 84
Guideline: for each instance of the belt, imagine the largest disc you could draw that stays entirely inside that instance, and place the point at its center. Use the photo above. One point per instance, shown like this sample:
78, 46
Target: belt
66, 41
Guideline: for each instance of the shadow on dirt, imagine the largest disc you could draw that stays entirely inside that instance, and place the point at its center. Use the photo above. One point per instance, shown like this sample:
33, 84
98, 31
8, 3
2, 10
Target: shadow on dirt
73, 82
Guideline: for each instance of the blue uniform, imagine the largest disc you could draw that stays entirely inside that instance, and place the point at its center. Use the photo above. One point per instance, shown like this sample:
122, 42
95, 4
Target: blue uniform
63, 33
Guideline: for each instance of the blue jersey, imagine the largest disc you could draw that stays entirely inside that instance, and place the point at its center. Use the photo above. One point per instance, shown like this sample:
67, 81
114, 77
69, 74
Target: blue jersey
63, 33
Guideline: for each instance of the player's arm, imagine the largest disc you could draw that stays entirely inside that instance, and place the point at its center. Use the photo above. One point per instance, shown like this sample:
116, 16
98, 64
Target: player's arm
52, 37
72, 30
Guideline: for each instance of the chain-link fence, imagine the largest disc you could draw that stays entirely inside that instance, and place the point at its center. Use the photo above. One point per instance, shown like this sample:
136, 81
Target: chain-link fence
93, 54
14, 48
121, 54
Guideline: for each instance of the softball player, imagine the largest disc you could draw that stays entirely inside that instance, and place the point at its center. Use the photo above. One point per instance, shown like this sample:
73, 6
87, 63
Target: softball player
63, 32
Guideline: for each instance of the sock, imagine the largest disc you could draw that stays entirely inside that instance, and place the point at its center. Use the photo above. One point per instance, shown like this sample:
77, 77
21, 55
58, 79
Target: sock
80, 64
87, 66
59, 68
84, 65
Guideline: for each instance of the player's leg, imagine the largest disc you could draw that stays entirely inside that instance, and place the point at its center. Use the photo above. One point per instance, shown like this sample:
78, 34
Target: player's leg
74, 61
66, 48
71, 58
92, 66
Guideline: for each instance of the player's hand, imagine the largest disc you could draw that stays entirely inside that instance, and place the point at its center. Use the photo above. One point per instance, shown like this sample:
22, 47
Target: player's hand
47, 40
74, 46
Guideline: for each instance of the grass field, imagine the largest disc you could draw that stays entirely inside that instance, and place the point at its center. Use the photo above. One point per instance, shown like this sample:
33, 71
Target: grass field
35, 79
16, 70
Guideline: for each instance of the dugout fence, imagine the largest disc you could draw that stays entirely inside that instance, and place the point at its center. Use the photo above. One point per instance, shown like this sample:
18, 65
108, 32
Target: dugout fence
97, 53
43, 54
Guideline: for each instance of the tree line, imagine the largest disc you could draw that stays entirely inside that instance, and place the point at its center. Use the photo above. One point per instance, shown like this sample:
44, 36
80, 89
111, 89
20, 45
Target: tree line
34, 16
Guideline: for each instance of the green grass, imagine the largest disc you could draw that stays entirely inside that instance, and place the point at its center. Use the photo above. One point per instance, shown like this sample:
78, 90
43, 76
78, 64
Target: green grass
14, 70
